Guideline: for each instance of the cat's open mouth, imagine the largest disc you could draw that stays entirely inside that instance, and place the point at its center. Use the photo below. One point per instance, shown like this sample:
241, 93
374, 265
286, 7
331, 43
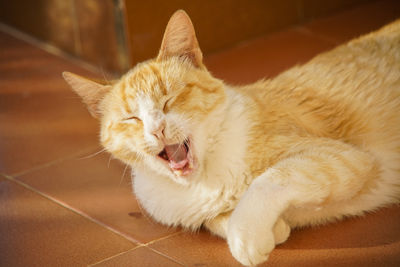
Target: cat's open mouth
178, 157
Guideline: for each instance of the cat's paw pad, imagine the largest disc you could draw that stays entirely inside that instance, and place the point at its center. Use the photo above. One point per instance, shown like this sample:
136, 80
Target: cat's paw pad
250, 248
281, 231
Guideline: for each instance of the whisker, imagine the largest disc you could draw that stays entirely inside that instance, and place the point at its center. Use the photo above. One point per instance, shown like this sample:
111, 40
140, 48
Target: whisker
123, 174
137, 159
109, 161
94, 154
104, 75
176, 151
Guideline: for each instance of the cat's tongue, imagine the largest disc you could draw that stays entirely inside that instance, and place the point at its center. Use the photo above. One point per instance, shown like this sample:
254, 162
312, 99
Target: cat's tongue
177, 155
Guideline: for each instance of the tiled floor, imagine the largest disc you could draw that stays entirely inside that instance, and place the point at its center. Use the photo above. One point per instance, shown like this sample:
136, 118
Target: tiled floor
65, 203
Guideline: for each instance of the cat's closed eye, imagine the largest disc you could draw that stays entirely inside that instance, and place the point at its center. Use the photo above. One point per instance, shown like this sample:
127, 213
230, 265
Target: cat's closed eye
132, 118
166, 106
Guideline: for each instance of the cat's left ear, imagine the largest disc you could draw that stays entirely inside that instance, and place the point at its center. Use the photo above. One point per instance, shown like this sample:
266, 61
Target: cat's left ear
91, 92
180, 40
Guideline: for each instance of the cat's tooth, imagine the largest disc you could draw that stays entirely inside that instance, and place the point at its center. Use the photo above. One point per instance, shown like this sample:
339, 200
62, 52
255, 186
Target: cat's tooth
178, 172
190, 165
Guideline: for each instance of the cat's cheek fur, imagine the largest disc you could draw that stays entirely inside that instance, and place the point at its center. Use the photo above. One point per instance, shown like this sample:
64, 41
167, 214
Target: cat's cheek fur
118, 144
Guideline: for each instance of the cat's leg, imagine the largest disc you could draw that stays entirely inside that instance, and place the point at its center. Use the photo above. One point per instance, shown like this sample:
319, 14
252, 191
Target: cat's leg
250, 232
219, 225
323, 172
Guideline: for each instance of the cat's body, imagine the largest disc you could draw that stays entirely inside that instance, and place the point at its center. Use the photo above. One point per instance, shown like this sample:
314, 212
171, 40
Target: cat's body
318, 142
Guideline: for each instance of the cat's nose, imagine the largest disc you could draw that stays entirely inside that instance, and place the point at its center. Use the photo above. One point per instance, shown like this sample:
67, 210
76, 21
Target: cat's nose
158, 131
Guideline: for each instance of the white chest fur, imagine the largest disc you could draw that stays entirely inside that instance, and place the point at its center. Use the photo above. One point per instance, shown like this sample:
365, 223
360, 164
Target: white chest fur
220, 183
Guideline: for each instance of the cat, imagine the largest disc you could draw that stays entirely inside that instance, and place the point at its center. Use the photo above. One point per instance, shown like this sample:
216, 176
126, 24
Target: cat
317, 143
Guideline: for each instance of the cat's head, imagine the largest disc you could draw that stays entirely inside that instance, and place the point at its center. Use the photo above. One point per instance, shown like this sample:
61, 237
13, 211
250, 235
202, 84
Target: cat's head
157, 116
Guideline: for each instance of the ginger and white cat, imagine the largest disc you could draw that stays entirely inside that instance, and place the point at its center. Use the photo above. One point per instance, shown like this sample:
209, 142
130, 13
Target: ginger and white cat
318, 142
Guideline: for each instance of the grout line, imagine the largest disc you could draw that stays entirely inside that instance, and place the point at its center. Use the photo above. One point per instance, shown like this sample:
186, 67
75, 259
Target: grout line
132, 249
162, 238
142, 246
65, 205
167, 256
116, 255
159, 252
53, 162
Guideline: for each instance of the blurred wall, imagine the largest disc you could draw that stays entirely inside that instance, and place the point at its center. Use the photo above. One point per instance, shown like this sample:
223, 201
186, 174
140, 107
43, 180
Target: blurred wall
116, 34
219, 23
92, 30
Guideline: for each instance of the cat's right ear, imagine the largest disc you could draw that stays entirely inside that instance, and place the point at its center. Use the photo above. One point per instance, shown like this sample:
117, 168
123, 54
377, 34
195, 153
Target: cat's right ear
90, 91
180, 40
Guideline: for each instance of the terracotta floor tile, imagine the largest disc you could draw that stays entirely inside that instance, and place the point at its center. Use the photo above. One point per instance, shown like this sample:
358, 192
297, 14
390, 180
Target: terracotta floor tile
266, 56
371, 240
387, 255
41, 119
141, 256
37, 232
351, 233
354, 22
42, 127
197, 249
340, 241
97, 187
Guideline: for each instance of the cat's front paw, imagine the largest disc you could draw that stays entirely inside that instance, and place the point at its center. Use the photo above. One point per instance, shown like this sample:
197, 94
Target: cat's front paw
281, 231
248, 245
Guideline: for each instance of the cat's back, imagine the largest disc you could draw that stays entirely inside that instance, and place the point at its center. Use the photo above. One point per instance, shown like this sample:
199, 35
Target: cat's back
364, 76
354, 86
351, 93
365, 67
